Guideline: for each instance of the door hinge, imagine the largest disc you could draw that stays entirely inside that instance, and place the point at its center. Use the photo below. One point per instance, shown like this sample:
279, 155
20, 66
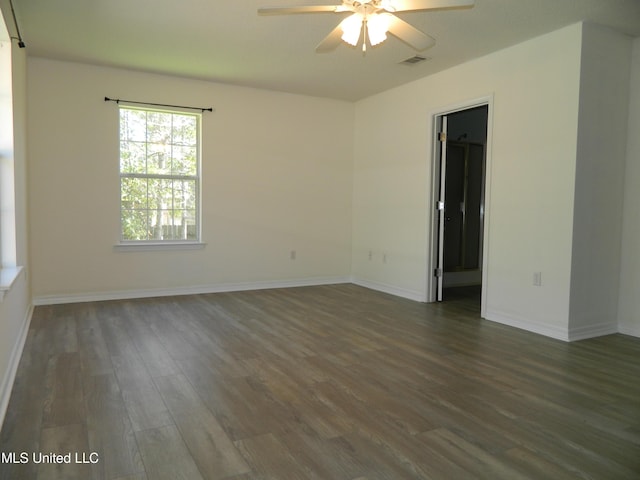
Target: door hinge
440, 205
442, 136
437, 272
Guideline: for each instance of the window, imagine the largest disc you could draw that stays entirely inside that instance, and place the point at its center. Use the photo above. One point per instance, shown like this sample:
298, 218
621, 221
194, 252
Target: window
159, 176
9, 268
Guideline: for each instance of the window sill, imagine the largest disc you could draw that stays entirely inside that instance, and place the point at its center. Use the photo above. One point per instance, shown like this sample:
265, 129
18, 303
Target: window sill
8, 276
158, 246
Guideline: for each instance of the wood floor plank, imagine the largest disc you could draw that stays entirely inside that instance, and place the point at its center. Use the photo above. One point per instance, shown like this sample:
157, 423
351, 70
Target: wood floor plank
63, 334
179, 395
375, 459
131, 372
138, 476
145, 408
94, 354
165, 455
469, 457
152, 352
66, 440
172, 339
310, 449
109, 430
536, 465
269, 458
587, 429
242, 410
64, 403
212, 450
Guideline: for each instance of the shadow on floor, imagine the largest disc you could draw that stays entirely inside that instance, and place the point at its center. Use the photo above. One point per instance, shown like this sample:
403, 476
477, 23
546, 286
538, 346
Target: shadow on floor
468, 297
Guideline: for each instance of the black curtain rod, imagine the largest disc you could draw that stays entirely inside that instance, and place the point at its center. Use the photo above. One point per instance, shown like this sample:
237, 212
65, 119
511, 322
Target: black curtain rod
15, 22
117, 100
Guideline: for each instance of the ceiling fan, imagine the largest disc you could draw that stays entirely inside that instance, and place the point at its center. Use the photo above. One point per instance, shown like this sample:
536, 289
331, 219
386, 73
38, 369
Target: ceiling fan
373, 19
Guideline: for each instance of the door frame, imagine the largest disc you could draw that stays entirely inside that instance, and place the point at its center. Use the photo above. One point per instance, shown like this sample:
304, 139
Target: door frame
436, 119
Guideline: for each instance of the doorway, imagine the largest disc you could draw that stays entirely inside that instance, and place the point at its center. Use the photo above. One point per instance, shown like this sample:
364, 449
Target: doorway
460, 161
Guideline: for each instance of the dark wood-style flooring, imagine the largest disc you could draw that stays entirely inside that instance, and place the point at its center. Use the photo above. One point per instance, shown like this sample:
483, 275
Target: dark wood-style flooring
330, 382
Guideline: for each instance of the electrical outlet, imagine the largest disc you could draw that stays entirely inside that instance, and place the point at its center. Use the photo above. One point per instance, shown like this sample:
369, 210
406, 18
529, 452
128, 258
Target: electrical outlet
537, 279
293, 255
370, 255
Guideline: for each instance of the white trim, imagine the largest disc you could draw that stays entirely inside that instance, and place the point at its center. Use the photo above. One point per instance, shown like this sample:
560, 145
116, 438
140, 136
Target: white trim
634, 330
156, 246
592, 331
525, 324
415, 295
14, 361
566, 335
8, 275
192, 290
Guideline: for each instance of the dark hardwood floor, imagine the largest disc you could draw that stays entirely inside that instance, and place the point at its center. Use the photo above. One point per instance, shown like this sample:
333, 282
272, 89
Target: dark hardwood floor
330, 382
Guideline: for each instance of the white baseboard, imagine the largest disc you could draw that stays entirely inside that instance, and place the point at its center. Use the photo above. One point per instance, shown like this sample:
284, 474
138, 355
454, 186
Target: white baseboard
592, 331
193, 290
393, 290
525, 324
633, 330
14, 360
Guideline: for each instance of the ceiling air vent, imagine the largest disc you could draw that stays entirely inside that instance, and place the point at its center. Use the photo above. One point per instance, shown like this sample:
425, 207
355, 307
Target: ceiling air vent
413, 60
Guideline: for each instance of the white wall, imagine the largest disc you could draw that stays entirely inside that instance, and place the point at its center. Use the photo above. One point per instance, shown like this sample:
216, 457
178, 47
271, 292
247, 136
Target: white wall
277, 176
535, 86
629, 306
599, 191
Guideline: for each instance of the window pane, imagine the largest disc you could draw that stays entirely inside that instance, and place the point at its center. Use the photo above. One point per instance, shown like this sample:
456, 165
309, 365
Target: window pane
132, 157
185, 161
133, 193
133, 125
135, 225
161, 222
159, 159
159, 127
185, 128
160, 194
190, 224
184, 225
185, 194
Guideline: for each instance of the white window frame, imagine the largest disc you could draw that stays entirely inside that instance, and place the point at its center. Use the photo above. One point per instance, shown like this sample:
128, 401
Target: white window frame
9, 268
155, 243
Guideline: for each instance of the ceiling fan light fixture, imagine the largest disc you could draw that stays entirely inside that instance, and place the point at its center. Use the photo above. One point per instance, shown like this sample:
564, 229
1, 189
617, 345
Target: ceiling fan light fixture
351, 28
371, 20
377, 27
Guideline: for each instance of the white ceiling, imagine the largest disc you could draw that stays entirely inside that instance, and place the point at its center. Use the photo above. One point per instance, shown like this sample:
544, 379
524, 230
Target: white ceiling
226, 41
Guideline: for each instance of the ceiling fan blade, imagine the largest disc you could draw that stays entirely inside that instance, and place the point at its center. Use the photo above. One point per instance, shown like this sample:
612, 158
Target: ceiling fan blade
415, 5
409, 34
293, 10
331, 41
